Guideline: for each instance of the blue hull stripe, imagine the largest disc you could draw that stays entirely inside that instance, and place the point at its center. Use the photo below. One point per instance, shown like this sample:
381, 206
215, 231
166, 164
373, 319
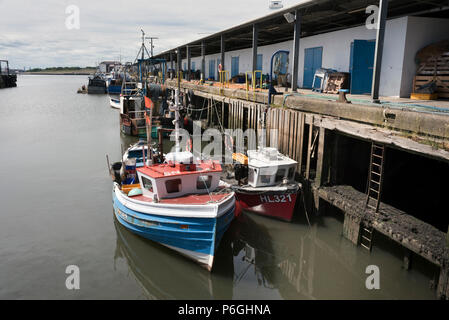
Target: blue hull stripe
202, 235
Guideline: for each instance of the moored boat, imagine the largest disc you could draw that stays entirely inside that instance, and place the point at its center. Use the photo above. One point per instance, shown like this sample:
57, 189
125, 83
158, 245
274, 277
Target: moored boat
271, 189
97, 85
115, 86
132, 110
179, 204
114, 103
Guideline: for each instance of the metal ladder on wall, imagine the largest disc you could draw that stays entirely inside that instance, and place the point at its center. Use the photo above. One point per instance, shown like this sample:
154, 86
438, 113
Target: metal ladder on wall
366, 237
374, 190
375, 176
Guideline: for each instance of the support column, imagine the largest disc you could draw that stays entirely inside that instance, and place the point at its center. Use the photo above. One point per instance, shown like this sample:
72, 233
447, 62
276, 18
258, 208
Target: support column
203, 60
189, 67
255, 40
296, 37
383, 10
178, 63
171, 65
222, 42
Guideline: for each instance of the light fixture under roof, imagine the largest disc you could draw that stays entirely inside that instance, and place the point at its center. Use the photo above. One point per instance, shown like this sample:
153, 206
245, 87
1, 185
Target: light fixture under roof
276, 4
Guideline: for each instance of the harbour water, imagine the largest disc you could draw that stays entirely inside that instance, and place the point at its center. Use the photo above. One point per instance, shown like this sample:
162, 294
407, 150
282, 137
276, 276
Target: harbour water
56, 211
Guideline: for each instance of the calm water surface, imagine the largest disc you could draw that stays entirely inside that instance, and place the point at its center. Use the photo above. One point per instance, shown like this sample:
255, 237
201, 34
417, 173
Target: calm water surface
57, 211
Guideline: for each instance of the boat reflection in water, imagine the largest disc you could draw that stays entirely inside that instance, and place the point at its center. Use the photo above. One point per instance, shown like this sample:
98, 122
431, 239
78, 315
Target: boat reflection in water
164, 274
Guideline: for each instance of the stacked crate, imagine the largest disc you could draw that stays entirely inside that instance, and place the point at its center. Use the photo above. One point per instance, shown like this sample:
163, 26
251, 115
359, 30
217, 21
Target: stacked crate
434, 69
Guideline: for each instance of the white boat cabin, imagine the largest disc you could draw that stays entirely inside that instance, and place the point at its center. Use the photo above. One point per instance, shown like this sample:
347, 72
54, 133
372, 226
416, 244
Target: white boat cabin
178, 177
268, 167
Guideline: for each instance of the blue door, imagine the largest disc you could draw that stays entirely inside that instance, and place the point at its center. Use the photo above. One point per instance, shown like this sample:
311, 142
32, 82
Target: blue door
312, 61
212, 69
361, 66
234, 66
193, 67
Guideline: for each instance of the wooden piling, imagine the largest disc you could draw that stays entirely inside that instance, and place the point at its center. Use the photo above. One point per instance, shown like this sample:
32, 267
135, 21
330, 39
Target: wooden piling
320, 157
309, 147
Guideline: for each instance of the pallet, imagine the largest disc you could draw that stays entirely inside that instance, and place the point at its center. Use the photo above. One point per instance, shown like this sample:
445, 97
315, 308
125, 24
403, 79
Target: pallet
435, 66
442, 84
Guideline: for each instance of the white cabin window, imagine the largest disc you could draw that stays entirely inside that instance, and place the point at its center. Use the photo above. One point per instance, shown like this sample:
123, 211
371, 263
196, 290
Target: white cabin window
173, 186
280, 174
147, 184
265, 178
204, 182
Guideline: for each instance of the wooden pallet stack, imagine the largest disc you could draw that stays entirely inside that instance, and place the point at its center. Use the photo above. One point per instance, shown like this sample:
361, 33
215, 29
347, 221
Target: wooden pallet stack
435, 69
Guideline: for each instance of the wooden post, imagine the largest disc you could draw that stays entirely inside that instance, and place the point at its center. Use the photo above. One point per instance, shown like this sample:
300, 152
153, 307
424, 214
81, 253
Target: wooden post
309, 146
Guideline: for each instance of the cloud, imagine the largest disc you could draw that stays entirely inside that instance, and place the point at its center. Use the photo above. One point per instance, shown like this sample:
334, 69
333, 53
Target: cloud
34, 33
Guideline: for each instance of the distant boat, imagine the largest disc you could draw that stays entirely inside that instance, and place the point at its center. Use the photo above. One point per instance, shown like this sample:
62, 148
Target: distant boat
7, 79
97, 85
115, 103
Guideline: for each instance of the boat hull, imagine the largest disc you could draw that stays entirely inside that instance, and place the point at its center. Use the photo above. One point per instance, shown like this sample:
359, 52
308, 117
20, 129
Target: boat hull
194, 237
276, 203
96, 90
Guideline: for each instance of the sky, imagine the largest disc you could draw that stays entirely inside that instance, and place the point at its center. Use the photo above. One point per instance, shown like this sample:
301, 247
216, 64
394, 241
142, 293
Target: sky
35, 34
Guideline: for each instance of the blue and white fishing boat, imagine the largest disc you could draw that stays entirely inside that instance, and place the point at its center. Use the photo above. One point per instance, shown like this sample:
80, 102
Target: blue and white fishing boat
181, 203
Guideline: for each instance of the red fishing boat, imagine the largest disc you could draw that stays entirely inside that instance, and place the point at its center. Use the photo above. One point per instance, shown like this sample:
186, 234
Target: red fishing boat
271, 189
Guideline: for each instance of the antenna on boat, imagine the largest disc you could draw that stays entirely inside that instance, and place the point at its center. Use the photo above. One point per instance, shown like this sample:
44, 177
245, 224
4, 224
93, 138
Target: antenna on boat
176, 109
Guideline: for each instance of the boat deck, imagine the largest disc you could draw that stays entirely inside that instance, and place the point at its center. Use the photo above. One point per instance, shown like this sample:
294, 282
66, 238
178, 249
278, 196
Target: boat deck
191, 199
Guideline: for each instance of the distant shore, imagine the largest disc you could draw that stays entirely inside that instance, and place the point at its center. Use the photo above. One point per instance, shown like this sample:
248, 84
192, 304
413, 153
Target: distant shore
65, 72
